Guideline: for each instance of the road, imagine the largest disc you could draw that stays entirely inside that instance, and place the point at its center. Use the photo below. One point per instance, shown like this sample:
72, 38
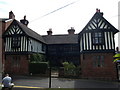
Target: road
34, 83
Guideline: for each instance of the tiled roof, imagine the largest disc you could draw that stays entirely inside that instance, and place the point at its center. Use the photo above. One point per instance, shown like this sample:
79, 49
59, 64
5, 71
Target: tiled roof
30, 32
61, 39
48, 39
27, 31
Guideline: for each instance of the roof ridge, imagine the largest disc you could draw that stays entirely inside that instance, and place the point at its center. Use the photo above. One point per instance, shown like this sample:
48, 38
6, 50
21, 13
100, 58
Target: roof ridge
60, 35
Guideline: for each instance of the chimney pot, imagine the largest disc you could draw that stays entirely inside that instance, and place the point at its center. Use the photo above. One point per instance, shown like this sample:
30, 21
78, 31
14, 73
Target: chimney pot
71, 31
11, 15
98, 11
25, 17
24, 21
49, 32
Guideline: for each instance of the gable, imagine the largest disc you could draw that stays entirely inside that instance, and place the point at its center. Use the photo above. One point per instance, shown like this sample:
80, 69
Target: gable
18, 28
14, 29
98, 22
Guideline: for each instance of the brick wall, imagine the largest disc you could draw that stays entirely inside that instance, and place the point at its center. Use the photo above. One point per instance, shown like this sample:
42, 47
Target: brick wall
19, 66
108, 71
7, 24
3, 26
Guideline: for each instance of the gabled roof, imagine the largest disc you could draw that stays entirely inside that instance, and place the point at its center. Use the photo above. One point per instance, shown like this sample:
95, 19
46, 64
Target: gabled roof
61, 39
98, 22
27, 31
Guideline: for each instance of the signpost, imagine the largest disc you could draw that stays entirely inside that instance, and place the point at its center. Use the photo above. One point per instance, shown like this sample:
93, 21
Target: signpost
50, 74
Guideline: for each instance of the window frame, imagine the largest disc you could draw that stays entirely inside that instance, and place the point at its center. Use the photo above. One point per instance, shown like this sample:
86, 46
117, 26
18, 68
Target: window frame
16, 41
98, 38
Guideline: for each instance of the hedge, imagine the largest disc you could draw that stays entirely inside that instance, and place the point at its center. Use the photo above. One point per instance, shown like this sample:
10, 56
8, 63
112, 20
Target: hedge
38, 68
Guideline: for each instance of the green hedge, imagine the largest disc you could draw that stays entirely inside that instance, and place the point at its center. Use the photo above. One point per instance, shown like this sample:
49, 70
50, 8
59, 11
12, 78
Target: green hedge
38, 68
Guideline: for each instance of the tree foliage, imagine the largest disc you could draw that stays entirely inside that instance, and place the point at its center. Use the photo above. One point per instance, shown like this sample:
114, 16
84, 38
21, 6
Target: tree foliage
69, 68
36, 58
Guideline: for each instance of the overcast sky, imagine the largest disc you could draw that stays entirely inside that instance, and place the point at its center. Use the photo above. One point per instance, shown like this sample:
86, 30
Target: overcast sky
59, 15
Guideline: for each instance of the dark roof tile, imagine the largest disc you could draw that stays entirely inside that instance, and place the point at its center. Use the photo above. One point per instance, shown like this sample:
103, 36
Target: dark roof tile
30, 32
61, 39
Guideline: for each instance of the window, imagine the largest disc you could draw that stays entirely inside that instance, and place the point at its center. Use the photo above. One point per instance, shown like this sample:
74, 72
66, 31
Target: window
98, 61
15, 41
98, 38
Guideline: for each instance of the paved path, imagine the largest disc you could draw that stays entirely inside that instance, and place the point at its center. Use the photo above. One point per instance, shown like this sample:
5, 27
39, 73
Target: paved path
42, 82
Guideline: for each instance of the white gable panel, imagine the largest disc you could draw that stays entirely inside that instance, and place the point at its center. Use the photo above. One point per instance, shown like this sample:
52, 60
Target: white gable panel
97, 23
14, 30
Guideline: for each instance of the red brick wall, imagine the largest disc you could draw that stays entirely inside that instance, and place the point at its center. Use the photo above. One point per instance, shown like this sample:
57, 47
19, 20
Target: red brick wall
21, 68
108, 71
3, 27
7, 24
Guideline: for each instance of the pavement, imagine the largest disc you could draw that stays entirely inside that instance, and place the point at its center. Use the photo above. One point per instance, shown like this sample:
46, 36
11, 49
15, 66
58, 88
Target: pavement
37, 83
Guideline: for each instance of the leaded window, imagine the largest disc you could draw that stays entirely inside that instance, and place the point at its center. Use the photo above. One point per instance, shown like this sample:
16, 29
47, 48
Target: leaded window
98, 38
15, 41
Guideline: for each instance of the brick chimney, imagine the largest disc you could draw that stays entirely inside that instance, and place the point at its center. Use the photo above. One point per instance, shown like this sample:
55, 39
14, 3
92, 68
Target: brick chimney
24, 21
71, 31
49, 32
11, 15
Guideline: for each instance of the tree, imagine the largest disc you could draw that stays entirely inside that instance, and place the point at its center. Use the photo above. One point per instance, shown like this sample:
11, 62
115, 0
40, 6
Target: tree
116, 57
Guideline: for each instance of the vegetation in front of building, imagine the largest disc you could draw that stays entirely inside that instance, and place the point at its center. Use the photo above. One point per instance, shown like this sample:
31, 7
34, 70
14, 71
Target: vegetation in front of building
38, 64
70, 70
37, 58
38, 68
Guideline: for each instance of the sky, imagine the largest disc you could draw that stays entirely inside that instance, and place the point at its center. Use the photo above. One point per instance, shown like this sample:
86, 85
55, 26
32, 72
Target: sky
60, 15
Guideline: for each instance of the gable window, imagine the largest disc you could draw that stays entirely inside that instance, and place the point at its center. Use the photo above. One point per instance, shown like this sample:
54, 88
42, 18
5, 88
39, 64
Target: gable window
15, 41
98, 61
98, 38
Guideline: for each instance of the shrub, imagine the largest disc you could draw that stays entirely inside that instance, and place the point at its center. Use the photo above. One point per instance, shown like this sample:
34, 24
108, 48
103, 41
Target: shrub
38, 68
69, 68
36, 58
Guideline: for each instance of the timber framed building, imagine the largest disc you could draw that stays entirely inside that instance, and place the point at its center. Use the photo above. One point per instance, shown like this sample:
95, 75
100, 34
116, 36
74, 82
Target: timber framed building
93, 48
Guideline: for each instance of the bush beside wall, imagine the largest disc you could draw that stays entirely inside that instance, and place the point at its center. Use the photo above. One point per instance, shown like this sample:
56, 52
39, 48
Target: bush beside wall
38, 68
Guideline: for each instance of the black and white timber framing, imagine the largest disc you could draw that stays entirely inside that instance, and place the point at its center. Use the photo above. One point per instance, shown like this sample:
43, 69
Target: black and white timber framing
19, 39
98, 35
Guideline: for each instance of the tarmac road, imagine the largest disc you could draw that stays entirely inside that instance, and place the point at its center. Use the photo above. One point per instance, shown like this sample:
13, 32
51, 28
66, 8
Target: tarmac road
37, 83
